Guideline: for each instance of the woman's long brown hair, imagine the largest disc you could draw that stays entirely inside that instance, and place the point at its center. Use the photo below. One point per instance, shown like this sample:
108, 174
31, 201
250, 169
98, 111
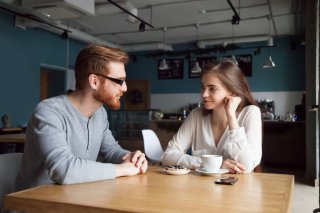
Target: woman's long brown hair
232, 78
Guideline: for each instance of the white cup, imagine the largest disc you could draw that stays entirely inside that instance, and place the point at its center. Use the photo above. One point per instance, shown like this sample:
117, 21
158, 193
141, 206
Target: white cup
211, 163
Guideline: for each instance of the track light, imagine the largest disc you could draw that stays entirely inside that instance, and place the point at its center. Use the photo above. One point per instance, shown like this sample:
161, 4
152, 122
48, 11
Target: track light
64, 35
235, 19
142, 27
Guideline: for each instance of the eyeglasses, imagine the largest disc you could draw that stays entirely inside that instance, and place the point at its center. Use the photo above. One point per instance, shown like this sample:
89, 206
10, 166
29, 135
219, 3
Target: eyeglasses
115, 80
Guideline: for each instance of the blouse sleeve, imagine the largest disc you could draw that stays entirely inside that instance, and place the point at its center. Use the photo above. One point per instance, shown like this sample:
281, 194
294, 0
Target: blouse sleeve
245, 143
177, 148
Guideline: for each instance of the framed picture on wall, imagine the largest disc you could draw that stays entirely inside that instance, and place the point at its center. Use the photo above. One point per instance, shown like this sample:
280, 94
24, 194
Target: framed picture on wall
245, 63
172, 70
194, 71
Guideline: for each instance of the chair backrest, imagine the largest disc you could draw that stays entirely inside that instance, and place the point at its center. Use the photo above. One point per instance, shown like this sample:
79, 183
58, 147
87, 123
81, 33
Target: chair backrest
152, 145
258, 168
9, 168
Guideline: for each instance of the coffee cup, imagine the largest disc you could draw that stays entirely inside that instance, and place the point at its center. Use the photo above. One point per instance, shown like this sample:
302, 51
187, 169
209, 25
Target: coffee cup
211, 163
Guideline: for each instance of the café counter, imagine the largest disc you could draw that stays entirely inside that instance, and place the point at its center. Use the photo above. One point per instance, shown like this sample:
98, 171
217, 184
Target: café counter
284, 143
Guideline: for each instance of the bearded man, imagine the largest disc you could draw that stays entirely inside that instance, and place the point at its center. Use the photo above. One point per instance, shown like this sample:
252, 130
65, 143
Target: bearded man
66, 133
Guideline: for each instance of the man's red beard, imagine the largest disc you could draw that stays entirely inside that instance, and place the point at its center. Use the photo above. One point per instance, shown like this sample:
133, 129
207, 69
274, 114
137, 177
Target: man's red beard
112, 102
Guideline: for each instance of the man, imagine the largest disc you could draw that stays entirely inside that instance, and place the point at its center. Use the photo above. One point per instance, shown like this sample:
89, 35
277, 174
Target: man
66, 133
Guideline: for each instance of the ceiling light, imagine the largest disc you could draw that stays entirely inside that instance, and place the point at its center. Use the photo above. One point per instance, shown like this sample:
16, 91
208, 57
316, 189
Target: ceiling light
142, 27
132, 9
143, 23
130, 18
269, 63
235, 19
234, 59
46, 14
163, 65
196, 68
270, 41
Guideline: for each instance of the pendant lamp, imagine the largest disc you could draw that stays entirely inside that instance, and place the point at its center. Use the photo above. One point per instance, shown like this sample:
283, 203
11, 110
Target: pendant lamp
196, 68
269, 62
163, 64
233, 57
234, 60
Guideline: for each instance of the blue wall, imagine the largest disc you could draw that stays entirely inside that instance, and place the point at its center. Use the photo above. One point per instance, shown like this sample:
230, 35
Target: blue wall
289, 74
22, 52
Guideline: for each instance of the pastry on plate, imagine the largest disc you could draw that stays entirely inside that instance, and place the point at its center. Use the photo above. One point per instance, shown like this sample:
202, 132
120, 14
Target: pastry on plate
175, 167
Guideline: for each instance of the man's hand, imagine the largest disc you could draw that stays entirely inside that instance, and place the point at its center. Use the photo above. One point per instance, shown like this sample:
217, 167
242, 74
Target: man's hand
138, 159
126, 169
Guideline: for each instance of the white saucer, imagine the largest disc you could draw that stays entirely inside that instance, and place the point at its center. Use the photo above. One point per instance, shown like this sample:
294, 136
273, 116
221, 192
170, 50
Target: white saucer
216, 173
177, 172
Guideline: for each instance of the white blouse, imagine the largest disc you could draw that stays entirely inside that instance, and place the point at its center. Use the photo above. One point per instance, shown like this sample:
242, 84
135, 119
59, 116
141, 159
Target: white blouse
243, 144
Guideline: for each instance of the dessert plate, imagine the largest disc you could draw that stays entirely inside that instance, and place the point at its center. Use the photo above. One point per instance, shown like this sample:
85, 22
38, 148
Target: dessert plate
216, 173
176, 172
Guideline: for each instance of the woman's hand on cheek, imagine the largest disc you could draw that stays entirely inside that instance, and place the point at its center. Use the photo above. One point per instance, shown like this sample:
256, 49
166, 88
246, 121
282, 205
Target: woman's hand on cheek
231, 104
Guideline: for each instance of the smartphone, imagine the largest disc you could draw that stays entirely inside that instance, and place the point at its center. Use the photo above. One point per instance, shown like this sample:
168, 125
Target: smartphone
226, 180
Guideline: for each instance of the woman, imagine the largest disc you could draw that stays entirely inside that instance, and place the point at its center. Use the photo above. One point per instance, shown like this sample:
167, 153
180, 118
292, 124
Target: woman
228, 123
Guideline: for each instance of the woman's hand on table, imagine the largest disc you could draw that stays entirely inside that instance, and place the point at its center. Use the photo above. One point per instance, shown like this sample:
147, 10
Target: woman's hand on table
233, 166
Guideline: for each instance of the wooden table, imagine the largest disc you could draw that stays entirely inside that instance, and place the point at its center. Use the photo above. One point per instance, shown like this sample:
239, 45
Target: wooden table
13, 138
156, 191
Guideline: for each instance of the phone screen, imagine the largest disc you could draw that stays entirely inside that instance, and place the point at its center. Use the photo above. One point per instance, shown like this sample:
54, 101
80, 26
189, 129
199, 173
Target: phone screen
226, 180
